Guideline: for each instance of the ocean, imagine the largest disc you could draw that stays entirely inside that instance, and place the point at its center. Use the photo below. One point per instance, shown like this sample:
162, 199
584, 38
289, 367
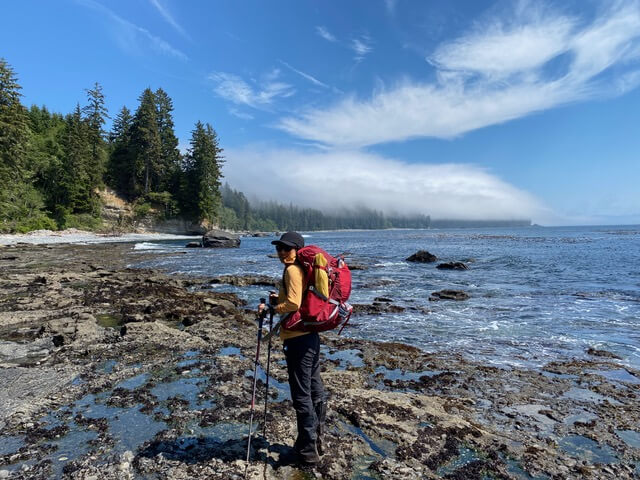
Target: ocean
537, 294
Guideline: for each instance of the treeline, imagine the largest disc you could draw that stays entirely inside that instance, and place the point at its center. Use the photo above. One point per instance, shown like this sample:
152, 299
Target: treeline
52, 166
239, 214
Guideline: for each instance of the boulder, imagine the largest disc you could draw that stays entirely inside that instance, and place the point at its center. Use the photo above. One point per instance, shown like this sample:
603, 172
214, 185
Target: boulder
376, 308
357, 266
452, 266
449, 295
193, 245
220, 239
422, 256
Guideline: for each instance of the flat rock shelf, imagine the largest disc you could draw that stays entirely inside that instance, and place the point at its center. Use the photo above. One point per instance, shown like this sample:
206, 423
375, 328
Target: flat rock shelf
112, 372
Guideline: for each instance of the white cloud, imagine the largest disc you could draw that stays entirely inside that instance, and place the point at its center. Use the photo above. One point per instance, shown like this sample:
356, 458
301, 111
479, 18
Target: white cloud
498, 72
361, 46
363, 179
311, 78
233, 88
501, 50
241, 115
132, 37
169, 18
324, 33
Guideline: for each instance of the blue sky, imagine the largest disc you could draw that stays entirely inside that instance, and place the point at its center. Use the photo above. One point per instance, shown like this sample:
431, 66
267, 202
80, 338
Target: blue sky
459, 109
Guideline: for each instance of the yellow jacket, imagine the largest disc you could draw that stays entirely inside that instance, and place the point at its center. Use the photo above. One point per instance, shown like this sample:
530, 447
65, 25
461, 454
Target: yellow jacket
290, 294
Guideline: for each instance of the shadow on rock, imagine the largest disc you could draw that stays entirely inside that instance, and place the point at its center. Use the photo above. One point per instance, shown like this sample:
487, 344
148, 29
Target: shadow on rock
194, 450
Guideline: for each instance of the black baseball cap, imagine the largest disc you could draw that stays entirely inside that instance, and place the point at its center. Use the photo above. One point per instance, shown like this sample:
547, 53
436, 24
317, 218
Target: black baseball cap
290, 239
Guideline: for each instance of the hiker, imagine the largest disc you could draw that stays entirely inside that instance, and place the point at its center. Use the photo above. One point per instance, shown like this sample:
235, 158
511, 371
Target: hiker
302, 351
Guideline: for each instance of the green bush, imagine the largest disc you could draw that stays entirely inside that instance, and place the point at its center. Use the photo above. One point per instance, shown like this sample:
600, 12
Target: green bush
141, 210
82, 221
36, 223
164, 203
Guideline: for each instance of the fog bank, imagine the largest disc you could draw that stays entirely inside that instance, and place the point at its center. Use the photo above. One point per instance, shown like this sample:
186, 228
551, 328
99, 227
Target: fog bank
334, 180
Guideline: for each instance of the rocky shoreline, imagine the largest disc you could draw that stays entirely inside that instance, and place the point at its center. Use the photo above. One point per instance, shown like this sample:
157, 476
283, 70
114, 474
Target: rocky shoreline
112, 372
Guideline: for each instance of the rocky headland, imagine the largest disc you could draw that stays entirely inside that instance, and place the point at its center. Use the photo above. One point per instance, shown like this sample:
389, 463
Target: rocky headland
110, 372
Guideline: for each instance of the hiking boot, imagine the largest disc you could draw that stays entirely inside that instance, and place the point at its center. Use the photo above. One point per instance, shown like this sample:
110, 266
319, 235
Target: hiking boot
309, 454
321, 413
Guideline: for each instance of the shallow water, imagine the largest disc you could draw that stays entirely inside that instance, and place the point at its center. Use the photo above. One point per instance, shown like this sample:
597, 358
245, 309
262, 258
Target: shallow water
584, 448
630, 437
537, 294
345, 358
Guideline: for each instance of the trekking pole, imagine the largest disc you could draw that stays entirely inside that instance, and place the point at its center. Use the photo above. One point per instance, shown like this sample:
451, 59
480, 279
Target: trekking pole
266, 393
261, 316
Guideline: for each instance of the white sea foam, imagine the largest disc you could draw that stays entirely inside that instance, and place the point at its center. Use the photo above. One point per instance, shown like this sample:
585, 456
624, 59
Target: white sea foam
149, 246
389, 264
81, 236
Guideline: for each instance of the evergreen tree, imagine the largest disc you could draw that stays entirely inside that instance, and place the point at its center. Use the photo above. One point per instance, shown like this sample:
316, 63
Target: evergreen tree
46, 154
121, 169
21, 205
170, 158
78, 181
95, 114
14, 128
202, 174
146, 144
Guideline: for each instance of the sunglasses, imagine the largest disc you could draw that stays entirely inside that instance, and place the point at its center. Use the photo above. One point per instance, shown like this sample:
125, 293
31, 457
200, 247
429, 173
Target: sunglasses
283, 248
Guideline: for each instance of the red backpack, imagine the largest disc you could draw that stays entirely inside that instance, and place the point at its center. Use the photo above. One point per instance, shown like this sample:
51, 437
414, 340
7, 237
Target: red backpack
320, 312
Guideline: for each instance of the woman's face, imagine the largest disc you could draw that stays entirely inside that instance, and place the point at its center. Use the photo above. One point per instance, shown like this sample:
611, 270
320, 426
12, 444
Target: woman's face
283, 252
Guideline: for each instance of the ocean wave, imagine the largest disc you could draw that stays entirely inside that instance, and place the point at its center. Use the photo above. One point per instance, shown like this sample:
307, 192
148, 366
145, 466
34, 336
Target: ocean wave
149, 246
389, 264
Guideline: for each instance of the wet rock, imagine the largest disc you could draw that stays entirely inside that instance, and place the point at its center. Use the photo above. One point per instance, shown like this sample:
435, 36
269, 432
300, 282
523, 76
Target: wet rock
220, 239
357, 266
193, 245
245, 280
460, 423
382, 299
188, 321
452, 266
422, 256
376, 308
382, 282
446, 294
602, 353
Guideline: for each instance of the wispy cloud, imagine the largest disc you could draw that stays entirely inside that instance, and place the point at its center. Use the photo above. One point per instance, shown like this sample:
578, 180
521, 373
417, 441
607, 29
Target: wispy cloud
361, 46
169, 18
324, 33
538, 59
311, 78
132, 37
501, 49
391, 5
241, 115
234, 89
440, 190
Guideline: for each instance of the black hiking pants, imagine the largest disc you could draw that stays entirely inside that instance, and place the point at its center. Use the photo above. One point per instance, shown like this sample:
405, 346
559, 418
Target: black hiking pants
307, 390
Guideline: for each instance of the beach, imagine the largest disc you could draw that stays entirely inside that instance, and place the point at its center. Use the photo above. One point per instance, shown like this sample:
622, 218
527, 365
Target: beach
117, 372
